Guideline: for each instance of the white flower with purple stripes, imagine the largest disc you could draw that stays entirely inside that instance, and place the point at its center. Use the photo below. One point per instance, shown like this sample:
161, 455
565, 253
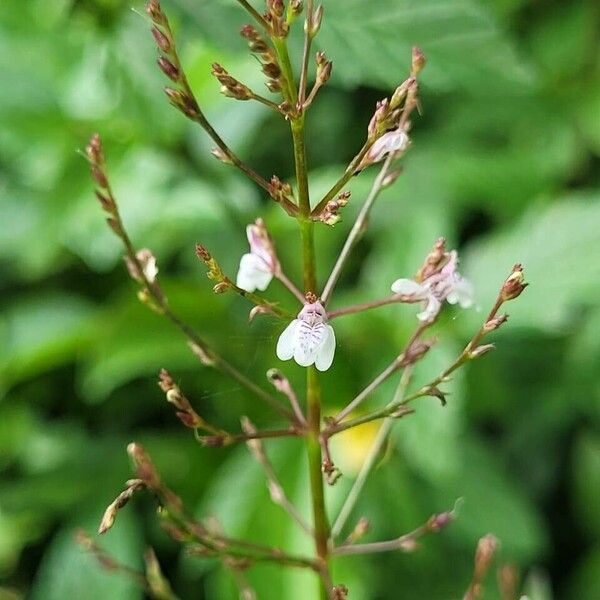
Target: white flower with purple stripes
308, 339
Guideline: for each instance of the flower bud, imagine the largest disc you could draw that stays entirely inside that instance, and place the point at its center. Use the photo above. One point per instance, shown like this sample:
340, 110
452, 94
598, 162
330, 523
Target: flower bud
481, 350
514, 285
495, 323
486, 549
222, 156
162, 41
316, 21
168, 68
418, 61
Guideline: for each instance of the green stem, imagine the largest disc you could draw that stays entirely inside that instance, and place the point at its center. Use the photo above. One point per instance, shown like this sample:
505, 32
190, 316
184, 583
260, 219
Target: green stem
313, 390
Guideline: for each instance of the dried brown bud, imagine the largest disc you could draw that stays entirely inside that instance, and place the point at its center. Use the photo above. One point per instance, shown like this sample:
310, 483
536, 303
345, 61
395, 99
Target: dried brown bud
162, 41
146, 471
114, 225
437, 393
256, 43
311, 297
324, 67
514, 285
94, 150
221, 287
154, 11
110, 514
230, 86
106, 203
99, 176
168, 68
271, 70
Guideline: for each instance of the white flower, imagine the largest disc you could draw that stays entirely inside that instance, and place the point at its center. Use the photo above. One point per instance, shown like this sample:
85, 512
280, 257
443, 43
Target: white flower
390, 142
260, 264
147, 262
308, 339
447, 284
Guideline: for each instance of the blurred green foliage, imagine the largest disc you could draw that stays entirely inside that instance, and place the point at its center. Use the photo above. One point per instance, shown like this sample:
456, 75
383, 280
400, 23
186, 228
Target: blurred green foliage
505, 163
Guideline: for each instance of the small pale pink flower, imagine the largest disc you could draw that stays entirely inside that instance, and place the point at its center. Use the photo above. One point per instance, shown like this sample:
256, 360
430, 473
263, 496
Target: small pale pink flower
447, 284
259, 265
389, 143
308, 339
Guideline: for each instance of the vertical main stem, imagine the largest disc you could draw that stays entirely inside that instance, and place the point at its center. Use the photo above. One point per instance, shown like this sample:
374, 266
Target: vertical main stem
313, 389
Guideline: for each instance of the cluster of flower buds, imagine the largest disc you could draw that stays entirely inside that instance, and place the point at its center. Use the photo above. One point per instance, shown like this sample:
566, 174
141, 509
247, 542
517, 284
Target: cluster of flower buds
277, 19
214, 270
330, 214
168, 62
95, 156
230, 86
270, 64
436, 281
324, 67
281, 192
260, 265
185, 413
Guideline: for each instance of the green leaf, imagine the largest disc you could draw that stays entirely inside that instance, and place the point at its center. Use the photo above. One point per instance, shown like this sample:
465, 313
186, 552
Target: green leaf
559, 247
38, 333
463, 45
68, 571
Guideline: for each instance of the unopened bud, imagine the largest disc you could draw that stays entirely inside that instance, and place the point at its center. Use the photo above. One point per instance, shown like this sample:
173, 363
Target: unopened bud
486, 549
154, 11
162, 41
418, 61
310, 297
495, 322
514, 285
222, 156
324, 67
168, 68
481, 350
221, 287
390, 178
316, 21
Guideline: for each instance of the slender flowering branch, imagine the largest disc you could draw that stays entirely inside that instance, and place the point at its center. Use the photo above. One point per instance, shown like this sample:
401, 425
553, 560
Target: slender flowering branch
369, 462
356, 230
411, 353
184, 99
255, 14
356, 308
512, 288
151, 292
276, 491
406, 543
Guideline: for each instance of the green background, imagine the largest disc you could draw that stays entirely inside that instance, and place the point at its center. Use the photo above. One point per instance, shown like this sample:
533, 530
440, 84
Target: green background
505, 163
